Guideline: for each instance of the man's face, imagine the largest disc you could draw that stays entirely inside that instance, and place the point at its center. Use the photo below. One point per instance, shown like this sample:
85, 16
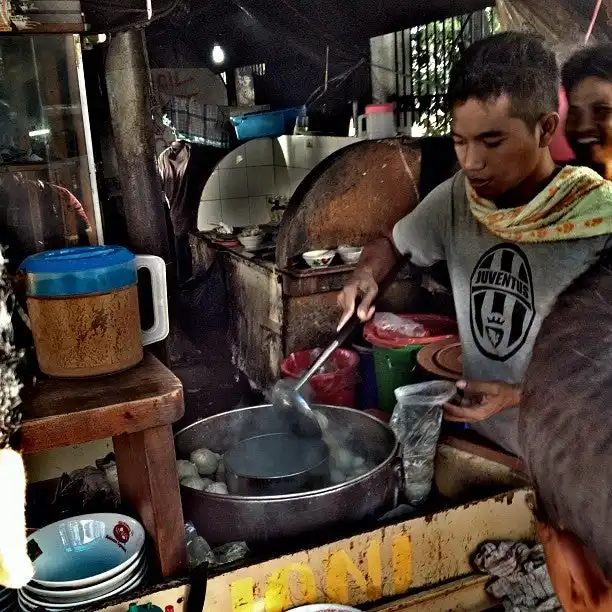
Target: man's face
496, 151
589, 123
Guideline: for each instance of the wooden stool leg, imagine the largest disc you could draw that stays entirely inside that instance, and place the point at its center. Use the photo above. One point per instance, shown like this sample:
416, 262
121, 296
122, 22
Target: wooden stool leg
148, 481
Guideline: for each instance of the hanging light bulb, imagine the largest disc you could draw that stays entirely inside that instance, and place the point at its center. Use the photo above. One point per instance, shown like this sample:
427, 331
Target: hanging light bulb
218, 54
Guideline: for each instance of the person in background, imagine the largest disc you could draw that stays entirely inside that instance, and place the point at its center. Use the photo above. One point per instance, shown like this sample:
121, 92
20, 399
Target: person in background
514, 229
565, 428
587, 78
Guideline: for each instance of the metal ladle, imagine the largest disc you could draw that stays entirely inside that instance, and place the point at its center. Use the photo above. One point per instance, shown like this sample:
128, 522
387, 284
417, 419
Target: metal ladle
286, 394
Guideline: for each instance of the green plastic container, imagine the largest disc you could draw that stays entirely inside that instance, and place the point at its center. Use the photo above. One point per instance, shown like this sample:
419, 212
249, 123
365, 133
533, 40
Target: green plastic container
395, 368
395, 356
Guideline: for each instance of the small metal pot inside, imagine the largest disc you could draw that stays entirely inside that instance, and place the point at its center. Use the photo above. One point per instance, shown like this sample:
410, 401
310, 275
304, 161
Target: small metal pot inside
276, 464
264, 519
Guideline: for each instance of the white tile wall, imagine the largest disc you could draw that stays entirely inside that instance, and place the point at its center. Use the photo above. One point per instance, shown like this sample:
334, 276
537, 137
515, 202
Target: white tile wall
211, 189
209, 213
259, 152
260, 210
282, 181
233, 183
235, 159
238, 190
235, 212
281, 150
260, 180
296, 176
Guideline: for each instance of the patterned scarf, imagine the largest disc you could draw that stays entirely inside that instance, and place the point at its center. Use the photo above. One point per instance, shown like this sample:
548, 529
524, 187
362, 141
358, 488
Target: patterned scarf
577, 204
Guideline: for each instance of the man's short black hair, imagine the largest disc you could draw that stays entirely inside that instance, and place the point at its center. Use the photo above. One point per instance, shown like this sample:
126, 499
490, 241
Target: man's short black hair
593, 61
515, 64
565, 414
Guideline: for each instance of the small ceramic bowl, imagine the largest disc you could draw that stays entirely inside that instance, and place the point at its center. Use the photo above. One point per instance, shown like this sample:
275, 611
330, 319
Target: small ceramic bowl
350, 255
319, 259
325, 608
251, 243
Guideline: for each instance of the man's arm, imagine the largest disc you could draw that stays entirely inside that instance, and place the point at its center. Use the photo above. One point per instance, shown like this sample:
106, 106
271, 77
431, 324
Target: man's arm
376, 262
420, 236
481, 400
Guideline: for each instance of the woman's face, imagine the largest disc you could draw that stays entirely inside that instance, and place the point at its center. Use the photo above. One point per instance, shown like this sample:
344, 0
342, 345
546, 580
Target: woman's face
589, 124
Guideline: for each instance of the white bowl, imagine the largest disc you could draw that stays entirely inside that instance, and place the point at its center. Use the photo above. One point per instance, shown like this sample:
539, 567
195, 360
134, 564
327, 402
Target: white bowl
319, 259
96, 590
84, 550
350, 255
251, 243
32, 603
324, 608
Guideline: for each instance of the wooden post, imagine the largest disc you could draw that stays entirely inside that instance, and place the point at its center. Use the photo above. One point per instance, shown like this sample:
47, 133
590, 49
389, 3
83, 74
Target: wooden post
128, 84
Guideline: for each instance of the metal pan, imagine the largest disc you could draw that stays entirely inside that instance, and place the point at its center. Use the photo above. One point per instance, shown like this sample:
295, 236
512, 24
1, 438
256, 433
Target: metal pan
276, 464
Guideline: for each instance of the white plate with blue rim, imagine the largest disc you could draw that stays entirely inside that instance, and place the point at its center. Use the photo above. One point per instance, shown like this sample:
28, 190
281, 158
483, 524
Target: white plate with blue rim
84, 550
96, 590
32, 603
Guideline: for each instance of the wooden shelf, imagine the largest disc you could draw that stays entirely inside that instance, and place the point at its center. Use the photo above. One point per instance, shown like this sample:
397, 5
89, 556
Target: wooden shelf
136, 408
40, 166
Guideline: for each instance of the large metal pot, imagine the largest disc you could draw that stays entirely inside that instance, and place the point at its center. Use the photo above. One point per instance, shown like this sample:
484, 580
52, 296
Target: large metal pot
228, 518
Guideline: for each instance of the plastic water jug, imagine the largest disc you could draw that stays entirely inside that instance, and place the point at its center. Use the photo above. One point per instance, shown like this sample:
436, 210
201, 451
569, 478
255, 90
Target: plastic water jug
84, 312
379, 121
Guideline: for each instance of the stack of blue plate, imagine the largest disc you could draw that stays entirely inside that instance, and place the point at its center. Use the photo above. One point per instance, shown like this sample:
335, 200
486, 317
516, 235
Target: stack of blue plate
83, 560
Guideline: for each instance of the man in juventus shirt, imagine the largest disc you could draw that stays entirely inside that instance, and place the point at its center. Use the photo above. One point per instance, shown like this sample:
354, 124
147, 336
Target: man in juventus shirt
503, 95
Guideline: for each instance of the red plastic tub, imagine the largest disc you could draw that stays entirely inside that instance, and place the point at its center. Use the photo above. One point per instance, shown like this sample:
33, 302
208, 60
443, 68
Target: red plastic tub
336, 388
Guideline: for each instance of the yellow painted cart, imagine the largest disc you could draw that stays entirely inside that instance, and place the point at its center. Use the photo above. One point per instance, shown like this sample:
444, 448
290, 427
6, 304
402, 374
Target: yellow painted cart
419, 564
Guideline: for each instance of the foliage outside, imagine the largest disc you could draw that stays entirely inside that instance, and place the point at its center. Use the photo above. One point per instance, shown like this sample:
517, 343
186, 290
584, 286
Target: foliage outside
434, 47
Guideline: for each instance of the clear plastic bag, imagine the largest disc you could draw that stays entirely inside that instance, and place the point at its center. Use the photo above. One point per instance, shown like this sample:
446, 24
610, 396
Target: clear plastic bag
562, 23
386, 321
416, 421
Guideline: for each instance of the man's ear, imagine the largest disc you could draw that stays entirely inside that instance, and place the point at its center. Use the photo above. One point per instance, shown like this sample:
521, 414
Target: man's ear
548, 125
578, 580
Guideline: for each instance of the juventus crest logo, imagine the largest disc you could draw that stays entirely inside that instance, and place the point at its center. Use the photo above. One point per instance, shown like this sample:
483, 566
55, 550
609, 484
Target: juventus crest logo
501, 301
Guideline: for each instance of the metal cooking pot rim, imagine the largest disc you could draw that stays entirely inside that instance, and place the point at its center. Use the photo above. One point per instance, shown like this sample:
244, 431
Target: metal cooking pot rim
319, 492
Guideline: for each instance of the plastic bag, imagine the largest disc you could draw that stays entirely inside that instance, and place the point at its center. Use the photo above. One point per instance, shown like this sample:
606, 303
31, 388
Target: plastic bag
385, 321
562, 23
416, 421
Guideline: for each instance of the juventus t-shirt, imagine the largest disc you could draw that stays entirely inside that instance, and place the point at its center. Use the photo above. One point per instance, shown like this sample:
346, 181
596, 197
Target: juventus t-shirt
502, 291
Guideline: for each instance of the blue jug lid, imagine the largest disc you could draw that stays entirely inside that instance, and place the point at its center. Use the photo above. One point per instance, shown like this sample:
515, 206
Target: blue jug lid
79, 271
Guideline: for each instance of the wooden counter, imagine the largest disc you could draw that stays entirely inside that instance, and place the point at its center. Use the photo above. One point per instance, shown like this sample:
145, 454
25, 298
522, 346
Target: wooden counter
136, 409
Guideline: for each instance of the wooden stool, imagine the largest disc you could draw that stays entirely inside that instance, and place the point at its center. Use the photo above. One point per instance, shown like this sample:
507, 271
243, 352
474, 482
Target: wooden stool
136, 408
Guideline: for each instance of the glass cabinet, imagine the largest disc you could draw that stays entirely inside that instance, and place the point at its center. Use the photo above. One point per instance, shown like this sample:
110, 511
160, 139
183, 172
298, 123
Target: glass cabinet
48, 195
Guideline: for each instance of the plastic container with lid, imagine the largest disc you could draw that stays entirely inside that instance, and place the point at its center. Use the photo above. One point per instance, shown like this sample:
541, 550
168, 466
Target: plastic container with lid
395, 355
379, 122
83, 307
